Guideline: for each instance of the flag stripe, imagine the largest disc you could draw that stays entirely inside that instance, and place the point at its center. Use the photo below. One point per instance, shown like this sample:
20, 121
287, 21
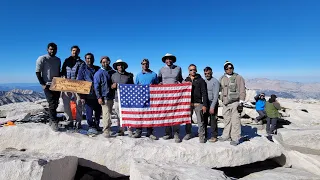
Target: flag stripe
154, 112
171, 85
170, 123
156, 108
172, 101
170, 95
169, 92
171, 105
156, 118
155, 115
169, 98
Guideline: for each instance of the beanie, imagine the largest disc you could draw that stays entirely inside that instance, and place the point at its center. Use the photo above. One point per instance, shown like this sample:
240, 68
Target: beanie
228, 64
104, 57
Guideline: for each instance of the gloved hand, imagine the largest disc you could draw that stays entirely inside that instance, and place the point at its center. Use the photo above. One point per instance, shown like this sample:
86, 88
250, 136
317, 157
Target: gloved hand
240, 108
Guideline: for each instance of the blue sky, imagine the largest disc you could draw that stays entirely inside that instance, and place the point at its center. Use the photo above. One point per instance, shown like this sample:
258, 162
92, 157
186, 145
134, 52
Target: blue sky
273, 39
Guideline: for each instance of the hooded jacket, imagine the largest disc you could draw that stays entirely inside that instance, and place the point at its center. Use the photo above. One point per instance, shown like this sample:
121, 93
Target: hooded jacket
199, 92
260, 103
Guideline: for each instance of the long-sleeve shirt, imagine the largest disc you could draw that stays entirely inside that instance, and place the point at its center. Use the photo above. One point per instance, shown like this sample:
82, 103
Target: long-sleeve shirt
170, 75
213, 87
121, 78
199, 92
102, 83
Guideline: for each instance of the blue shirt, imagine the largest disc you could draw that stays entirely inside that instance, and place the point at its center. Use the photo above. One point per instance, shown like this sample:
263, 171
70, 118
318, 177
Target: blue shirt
260, 105
146, 78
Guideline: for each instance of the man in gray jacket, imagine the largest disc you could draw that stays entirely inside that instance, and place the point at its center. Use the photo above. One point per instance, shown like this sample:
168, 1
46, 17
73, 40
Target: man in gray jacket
213, 87
233, 94
170, 74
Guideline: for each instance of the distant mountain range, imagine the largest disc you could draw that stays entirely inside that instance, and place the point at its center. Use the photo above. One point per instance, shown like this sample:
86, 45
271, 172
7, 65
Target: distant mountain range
19, 95
285, 89
29, 86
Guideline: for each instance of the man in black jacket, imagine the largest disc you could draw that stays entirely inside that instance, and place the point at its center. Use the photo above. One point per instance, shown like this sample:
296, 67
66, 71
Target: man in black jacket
199, 102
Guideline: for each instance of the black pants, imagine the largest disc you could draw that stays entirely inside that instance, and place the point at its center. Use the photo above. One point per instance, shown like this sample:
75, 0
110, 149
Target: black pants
149, 131
213, 121
53, 100
176, 129
271, 125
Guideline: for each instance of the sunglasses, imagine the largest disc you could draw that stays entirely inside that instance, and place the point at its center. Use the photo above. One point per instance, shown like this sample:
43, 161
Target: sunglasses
192, 70
228, 68
144, 63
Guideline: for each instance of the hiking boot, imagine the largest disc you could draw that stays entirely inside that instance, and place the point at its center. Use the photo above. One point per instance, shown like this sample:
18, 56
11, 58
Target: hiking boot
136, 135
234, 143
166, 137
130, 133
213, 139
106, 134
202, 139
153, 137
176, 138
54, 126
222, 139
187, 137
120, 133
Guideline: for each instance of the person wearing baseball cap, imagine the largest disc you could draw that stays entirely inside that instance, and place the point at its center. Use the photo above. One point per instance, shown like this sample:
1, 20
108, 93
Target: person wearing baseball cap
146, 77
233, 94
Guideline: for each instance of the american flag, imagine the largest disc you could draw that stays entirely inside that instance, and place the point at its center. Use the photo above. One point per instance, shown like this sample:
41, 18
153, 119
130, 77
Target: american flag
154, 105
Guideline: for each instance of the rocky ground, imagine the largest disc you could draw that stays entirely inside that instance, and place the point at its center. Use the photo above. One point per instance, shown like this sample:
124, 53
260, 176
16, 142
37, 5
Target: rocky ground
30, 150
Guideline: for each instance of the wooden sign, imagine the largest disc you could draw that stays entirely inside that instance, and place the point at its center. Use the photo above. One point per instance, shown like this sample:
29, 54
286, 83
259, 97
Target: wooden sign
69, 85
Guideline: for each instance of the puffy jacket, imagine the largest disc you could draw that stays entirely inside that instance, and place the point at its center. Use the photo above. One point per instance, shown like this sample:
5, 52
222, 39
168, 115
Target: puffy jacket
260, 103
87, 74
70, 67
199, 92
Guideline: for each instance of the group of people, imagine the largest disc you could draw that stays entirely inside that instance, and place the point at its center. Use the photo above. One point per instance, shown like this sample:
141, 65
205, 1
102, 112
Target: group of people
268, 110
103, 94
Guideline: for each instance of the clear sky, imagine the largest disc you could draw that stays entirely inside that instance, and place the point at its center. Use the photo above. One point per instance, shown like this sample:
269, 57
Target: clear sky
277, 39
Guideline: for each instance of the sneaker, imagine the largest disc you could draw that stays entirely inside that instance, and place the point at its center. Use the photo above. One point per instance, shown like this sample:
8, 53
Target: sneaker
54, 126
106, 134
120, 133
213, 140
234, 143
153, 137
202, 139
166, 137
222, 139
92, 131
187, 137
176, 138
136, 135
130, 133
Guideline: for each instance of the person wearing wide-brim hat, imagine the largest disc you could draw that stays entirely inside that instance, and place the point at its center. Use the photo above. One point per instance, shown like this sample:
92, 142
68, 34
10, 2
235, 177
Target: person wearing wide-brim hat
118, 63
121, 76
170, 74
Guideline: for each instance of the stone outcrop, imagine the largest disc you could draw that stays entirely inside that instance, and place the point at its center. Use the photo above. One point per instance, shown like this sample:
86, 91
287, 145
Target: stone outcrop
281, 174
116, 153
141, 169
17, 165
17, 108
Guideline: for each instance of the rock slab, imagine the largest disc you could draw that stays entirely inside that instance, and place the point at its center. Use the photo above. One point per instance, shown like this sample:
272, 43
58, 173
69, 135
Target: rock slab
24, 166
141, 169
281, 174
24, 107
116, 153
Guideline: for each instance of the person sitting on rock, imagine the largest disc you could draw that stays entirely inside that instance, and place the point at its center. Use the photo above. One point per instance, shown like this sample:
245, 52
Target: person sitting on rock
199, 102
86, 73
260, 105
48, 67
233, 94
105, 96
146, 77
121, 76
272, 107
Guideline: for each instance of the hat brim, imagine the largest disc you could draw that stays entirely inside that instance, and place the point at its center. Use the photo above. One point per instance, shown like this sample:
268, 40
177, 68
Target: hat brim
174, 59
116, 64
